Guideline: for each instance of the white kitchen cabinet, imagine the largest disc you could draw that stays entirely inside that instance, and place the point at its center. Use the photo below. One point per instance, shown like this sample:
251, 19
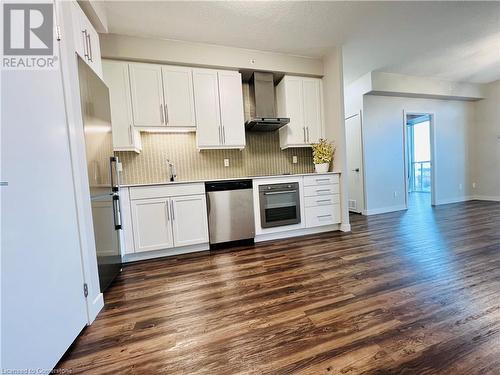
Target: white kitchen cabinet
116, 77
218, 103
189, 220
178, 94
168, 216
300, 99
206, 101
151, 222
312, 97
86, 39
147, 95
231, 108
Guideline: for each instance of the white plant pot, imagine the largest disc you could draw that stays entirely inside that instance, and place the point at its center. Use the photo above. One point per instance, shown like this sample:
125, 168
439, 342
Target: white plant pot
321, 168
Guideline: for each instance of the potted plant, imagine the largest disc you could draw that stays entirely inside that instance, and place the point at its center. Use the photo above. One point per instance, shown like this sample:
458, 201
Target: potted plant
323, 152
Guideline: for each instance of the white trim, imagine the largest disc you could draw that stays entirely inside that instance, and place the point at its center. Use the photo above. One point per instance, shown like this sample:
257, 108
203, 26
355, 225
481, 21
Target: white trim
486, 198
432, 140
96, 305
454, 200
383, 210
345, 227
297, 232
165, 252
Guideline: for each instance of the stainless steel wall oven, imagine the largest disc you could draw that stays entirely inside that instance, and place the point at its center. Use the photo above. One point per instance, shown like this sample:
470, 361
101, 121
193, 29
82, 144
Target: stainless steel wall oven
279, 204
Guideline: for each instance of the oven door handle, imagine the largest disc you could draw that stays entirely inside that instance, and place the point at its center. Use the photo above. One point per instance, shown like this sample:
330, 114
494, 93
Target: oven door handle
279, 192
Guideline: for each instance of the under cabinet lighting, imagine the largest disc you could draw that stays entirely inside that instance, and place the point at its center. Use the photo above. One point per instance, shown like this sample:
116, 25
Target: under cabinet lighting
167, 130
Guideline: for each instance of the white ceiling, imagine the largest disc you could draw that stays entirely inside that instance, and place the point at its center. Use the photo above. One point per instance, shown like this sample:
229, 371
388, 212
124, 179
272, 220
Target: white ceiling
458, 41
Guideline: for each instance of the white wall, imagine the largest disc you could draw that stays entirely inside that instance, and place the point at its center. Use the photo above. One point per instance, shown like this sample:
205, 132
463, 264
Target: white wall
123, 47
384, 151
334, 121
413, 86
486, 167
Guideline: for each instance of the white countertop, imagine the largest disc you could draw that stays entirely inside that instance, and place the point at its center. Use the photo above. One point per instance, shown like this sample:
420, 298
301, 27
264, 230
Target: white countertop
230, 179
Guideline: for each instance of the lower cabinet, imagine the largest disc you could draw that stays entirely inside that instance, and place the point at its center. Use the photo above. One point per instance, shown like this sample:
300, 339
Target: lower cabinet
163, 223
189, 220
151, 224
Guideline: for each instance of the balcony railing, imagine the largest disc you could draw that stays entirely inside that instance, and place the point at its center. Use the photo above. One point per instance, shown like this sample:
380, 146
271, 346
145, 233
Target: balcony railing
420, 179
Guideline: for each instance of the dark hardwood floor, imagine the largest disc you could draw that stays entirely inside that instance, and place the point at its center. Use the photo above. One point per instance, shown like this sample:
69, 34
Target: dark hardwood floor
414, 292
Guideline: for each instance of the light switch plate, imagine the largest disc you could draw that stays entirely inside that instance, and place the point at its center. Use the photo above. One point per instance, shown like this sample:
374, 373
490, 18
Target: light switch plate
294, 159
226, 162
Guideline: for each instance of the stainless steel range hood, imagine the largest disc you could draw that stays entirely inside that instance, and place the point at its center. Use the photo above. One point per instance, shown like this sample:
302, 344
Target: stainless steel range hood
262, 94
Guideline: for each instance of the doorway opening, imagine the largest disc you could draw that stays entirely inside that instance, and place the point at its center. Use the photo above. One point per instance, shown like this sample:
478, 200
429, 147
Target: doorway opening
419, 151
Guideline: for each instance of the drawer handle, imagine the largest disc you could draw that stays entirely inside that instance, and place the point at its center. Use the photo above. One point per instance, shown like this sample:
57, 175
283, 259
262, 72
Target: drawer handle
320, 190
322, 179
323, 200
328, 215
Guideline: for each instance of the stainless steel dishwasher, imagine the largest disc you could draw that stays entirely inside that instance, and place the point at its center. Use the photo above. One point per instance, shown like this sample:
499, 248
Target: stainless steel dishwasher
230, 211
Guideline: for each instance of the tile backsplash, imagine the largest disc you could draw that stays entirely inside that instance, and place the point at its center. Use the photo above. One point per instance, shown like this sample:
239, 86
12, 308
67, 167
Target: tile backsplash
261, 156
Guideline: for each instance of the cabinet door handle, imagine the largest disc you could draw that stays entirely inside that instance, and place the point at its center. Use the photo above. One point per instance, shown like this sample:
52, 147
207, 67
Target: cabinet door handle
130, 134
308, 140
162, 119
166, 114
84, 36
223, 135
304, 129
220, 135
168, 210
90, 48
173, 210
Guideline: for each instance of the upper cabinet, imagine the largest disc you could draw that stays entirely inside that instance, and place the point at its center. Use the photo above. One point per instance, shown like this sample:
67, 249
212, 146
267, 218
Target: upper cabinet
218, 97
300, 99
116, 77
178, 94
162, 96
86, 39
147, 95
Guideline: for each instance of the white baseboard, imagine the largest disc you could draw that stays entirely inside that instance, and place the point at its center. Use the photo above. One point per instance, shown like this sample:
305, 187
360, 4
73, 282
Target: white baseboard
486, 198
454, 200
383, 210
165, 252
345, 227
95, 307
296, 233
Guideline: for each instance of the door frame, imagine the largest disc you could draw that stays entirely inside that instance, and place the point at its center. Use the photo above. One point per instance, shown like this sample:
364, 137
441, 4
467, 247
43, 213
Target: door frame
363, 211
432, 138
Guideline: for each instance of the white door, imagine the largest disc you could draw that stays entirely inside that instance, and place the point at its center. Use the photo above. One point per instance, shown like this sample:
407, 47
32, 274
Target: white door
206, 100
295, 110
152, 224
178, 91
125, 137
147, 95
312, 109
355, 163
43, 305
231, 108
189, 218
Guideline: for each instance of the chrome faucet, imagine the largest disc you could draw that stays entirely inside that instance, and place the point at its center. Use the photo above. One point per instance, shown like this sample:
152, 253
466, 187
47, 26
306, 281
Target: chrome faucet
171, 171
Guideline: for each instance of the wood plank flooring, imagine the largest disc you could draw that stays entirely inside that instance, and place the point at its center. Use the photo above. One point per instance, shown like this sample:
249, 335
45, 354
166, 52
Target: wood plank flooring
414, 292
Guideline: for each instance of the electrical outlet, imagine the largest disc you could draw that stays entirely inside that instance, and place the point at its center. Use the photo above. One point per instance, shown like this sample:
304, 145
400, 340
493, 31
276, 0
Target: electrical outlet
395, 194
226, 162
460, 186
473, 185
294, 159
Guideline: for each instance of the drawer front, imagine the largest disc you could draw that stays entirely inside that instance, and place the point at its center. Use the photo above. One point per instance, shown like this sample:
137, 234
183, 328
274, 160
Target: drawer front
322, 200
324, 179
145, 192
322, 215
313, 191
